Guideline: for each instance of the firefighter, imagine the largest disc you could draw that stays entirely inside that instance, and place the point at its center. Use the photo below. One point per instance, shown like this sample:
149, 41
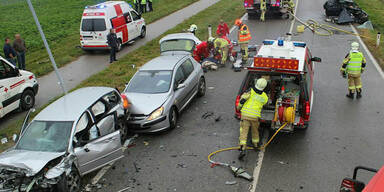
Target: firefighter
263, 9
222, 46
353, 65
251, 103
193, 29
244, 36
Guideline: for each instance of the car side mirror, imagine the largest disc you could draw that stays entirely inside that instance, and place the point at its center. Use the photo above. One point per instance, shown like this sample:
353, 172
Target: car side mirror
180, 86
316, 59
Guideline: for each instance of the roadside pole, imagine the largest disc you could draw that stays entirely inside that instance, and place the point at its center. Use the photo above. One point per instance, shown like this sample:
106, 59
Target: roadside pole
61, 82
378, 39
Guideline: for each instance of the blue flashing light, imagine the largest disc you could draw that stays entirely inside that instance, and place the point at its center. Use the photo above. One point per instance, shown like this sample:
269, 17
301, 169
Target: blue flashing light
101, 6
296, 44
280, 42
268, 42
86, 7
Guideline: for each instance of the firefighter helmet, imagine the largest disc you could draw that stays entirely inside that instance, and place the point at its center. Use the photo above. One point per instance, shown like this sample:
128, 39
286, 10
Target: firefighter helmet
238, 22
260, 84
355, 45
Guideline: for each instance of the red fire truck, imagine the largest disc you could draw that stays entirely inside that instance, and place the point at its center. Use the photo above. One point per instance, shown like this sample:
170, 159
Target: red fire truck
288, 66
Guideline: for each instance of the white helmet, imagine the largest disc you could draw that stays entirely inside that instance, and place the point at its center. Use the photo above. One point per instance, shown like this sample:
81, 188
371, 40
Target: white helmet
355, 46
260, 84
192, 28
211, 39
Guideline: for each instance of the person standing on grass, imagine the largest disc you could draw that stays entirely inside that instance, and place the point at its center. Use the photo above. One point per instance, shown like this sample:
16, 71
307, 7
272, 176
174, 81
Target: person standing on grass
20, 48
150, 5
9, 52
137, 7
143, 6
222, 29
113, 43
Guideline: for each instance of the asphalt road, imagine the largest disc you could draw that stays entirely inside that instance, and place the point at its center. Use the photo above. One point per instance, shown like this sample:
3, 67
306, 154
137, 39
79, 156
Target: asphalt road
342, 134
87, 65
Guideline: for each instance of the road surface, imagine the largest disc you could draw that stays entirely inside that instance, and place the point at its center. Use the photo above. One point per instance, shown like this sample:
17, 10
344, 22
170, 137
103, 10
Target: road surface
343, 133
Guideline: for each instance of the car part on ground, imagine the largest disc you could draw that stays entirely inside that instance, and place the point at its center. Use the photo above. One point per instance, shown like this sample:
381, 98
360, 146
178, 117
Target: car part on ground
345, 11
73, 136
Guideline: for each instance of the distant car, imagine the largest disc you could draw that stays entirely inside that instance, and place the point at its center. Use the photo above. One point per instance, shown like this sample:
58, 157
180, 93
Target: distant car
73, 136
353, 185
164, 86
18, 88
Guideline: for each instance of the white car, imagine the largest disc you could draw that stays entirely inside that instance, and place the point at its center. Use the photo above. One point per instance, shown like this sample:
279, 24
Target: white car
18, 88
97, 20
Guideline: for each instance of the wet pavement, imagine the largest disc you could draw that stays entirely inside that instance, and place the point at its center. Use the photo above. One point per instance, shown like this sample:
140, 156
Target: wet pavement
342, 134
85, 66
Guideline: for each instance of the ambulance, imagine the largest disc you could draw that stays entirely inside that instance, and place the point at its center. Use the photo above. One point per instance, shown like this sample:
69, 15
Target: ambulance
18, 88
97, 20
288, 66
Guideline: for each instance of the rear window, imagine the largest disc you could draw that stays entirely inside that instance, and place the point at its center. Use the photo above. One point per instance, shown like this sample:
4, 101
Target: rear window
177, 45
93, 25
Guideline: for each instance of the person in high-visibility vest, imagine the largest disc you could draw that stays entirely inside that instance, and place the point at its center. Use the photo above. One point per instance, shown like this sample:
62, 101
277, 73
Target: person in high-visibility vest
263, 9
143, 6
137, 7
353, 66
250, 105
222, 46
244, 36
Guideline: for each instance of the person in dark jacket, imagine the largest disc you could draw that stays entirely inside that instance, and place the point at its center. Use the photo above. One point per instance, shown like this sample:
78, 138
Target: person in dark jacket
150, 5
9, 52
113, 43
20, 48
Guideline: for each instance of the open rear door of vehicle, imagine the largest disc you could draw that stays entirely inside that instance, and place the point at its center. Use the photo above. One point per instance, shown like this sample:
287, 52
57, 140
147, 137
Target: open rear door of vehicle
376, 183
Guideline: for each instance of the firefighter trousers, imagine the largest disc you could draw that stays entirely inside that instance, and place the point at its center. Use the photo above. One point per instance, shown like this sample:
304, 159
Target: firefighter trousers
224, 54
354, 82
245, 124
244, 51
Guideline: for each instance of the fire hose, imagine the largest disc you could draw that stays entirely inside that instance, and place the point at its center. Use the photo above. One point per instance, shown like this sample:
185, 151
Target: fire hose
239, 172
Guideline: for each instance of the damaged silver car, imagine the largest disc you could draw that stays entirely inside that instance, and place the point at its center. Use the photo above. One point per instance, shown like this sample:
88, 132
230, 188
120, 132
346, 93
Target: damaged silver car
77, 134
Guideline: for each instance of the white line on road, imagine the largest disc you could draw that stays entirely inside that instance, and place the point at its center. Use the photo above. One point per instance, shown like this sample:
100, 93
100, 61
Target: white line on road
256, 171
368, 52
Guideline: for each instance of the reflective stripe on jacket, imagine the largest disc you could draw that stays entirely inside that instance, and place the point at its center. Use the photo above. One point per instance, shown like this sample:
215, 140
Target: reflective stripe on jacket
252, 107
355, 62
244, 34
143, 2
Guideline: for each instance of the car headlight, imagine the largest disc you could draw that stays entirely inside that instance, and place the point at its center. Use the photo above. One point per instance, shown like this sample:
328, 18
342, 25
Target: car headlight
156, 113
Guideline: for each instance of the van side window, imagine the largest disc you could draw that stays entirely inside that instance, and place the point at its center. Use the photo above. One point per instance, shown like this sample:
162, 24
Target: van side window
127, 17
135, 16
6, 71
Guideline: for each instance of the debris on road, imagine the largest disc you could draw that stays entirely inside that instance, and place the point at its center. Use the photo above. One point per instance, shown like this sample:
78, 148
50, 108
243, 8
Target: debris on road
211, 88
230, 182
162, 147
206, 115
4, 140
130, 142
136, 168
181, 165
205, 102
218, 118
282, 162
146, 143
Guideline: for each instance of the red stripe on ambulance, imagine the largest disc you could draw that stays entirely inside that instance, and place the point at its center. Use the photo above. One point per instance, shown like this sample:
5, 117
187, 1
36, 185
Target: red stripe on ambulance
119, 23
17, 84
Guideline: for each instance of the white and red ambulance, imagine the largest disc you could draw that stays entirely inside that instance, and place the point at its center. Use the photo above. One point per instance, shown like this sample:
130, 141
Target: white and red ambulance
288, 66
17, 88
97, 20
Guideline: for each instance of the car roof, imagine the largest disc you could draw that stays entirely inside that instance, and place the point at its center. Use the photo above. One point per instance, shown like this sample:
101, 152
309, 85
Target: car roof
190, 36
71, 106
164, 62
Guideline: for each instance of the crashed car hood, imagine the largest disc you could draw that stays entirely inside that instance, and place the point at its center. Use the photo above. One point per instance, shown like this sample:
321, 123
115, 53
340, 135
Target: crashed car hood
31, 161
146, 103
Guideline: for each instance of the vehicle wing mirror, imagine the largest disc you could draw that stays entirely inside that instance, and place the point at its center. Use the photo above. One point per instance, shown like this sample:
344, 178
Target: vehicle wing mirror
180, 86
316, 59
349, 184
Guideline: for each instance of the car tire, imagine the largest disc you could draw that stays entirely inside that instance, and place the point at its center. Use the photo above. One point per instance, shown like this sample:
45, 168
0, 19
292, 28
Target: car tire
201, 87
122, 126
172, 118
143, 32
27, 99
70, 183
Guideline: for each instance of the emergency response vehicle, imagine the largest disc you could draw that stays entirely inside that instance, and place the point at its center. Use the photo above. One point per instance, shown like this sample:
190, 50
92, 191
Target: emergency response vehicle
97, 20
289, 69
17, 88
273, 7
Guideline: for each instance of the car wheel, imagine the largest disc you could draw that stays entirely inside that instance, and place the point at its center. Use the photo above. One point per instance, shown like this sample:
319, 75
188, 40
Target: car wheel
172, 118
202, 87
143, 32
27, 99
123, 130
70, 183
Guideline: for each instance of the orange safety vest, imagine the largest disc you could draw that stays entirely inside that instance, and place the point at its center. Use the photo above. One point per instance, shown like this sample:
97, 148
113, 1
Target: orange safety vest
244, 34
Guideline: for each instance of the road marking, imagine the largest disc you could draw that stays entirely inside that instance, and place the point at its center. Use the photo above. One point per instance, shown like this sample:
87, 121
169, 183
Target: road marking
368, 52
256, 171
101, 173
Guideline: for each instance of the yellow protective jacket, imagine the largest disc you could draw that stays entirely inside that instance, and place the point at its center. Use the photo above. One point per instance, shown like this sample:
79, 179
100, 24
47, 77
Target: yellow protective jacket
220, 43
244, 34
252, 107
354, 63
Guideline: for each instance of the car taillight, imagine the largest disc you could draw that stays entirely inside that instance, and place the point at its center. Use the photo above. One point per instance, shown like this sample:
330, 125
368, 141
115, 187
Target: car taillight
30, 77
126, 103
237, 102
81, 37
248, 3
307, 110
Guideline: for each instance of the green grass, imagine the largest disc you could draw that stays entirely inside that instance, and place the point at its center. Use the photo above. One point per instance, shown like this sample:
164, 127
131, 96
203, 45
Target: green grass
375, 10
119, 73
60, 20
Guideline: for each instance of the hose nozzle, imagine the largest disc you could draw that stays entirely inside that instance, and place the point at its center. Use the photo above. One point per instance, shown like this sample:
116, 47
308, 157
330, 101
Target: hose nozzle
240, 172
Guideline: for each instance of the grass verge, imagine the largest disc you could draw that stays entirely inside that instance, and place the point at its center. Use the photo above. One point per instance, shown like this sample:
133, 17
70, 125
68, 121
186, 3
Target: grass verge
61, 27
375, 10
117, 74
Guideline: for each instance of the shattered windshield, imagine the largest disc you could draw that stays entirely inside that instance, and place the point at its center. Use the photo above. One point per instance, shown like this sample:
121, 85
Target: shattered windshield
150, 82
48, 136
177, 45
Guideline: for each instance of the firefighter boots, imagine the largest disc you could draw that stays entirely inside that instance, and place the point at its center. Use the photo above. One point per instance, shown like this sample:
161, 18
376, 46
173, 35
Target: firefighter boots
358, 96
350, 95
